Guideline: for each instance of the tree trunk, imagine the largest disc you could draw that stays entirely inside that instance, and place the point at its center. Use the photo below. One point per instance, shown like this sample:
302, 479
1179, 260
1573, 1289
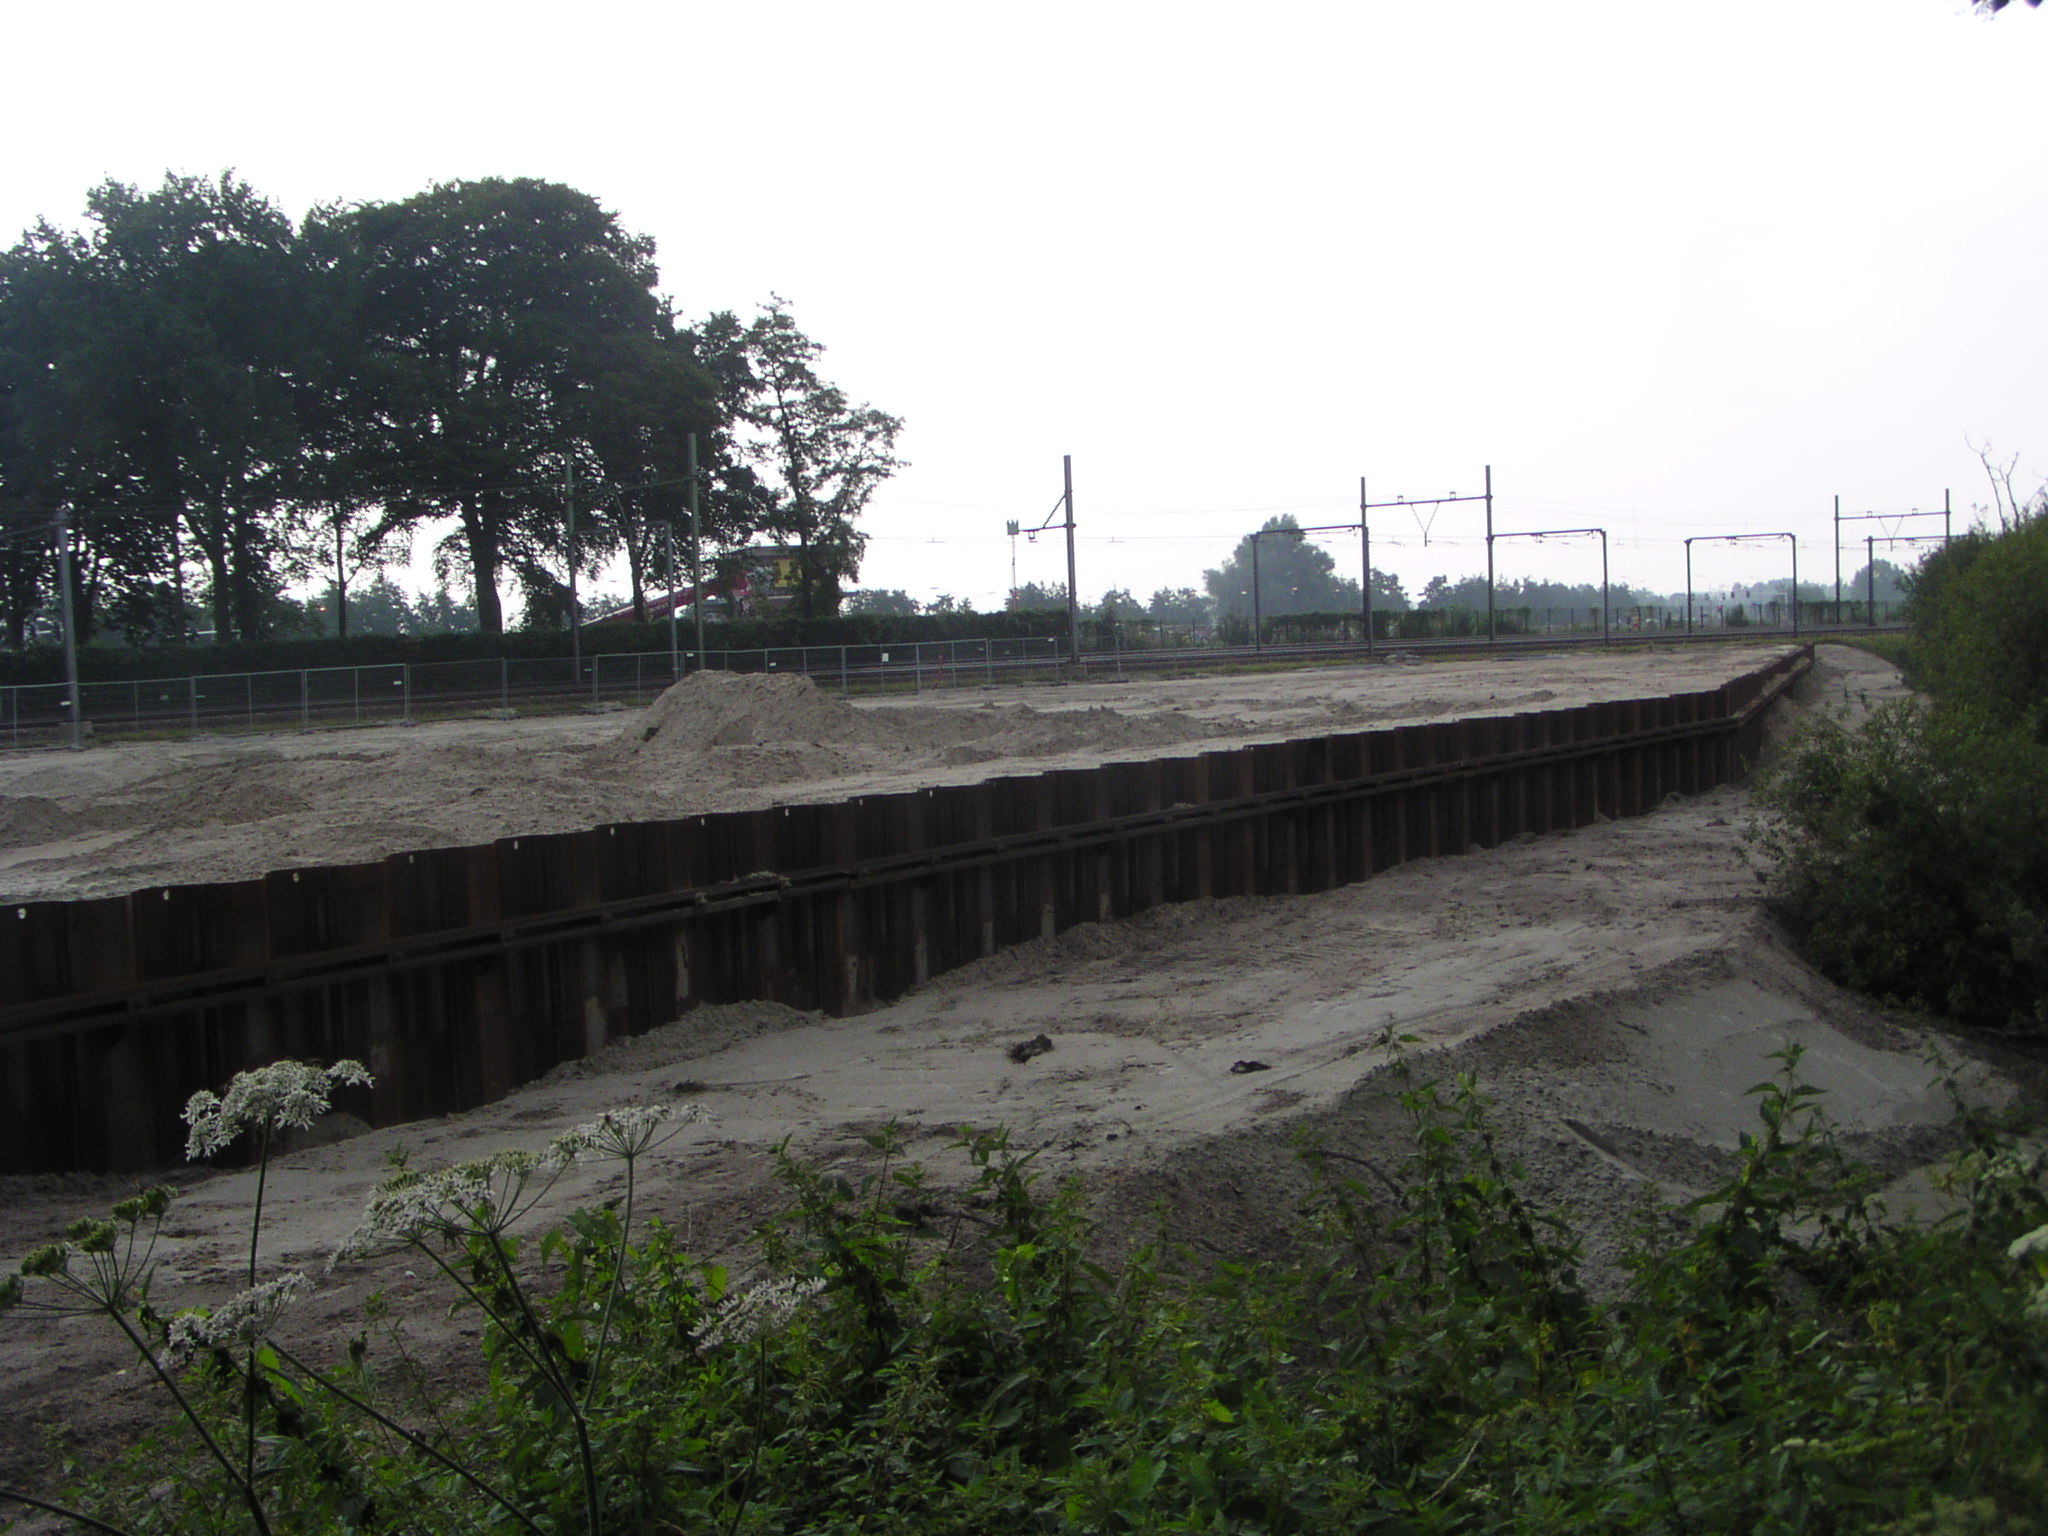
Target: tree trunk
248, 594
480, 535
636, 573
22, 586
223, 597
208, 533
340, 582
183, 622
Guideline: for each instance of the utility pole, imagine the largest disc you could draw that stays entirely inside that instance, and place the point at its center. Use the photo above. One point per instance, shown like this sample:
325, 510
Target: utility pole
575, 614
675, 659
1838, 559
1365, 562
1073, 591
1258, 624
1489, 554
76, 725
1013, 527
696, 552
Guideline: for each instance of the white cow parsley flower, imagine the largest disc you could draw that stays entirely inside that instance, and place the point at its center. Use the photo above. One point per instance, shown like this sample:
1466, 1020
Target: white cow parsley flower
240, 1320
485, 1195
761, 1309
284, 1095
620, 1135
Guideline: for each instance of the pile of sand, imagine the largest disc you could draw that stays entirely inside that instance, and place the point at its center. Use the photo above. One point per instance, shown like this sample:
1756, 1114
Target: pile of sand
744, 709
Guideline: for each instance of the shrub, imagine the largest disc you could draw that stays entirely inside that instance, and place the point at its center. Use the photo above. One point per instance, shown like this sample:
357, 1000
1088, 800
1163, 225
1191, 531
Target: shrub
1911, 861
914, 1360
1979, 610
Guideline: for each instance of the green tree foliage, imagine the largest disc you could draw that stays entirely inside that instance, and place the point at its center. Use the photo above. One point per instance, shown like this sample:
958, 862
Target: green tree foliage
380, 606
1037, 595
1915, 863
1979, 610
159, 365
192, 379
510, 334
819, 456
889, 600
1182, 605
1119, 606
1296, 575
1912, 858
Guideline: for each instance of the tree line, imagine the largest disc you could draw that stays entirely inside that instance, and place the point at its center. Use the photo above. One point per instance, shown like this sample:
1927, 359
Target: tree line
213, 402
1295, 575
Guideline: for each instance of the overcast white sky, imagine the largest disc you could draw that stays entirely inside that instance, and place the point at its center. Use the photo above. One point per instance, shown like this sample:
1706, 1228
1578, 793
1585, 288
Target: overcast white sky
1669, 269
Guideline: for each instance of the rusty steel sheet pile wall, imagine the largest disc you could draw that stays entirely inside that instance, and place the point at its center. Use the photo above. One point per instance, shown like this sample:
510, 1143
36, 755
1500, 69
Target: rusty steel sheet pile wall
459, 973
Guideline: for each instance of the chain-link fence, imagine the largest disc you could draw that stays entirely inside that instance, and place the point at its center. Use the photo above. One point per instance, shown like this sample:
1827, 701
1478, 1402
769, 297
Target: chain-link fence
38, 714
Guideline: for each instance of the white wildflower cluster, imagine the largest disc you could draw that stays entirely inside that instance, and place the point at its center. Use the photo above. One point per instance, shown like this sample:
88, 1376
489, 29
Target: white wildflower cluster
240, 1320
286, 1095
758, 1310
484, 1195
2032, 1249
620, 1135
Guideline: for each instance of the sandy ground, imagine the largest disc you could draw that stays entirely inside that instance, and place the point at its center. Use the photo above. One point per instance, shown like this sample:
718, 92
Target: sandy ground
1618, 988
120, 817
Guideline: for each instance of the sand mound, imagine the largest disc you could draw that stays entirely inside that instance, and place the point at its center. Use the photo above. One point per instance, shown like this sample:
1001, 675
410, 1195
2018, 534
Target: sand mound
742, 709
27, 820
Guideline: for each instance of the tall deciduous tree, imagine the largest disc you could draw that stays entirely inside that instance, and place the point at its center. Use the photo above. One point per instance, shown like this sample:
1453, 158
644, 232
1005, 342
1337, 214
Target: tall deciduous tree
204, 353
154, 373
1296, 575
822, 455
491, 311
648, 396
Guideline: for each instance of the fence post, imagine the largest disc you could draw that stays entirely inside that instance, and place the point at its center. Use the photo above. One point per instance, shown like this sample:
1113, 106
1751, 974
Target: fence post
305, 708
356, 676
843, 687
138, 706
504, 685
594, 660
249, 695
193, 683
408, 693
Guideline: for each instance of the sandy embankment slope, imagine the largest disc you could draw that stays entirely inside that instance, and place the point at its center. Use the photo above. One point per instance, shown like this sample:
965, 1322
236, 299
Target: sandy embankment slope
1618, 988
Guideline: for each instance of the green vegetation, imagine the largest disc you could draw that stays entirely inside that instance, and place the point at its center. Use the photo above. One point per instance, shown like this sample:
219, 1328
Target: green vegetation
1912, 855
213, 402
908, 1359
